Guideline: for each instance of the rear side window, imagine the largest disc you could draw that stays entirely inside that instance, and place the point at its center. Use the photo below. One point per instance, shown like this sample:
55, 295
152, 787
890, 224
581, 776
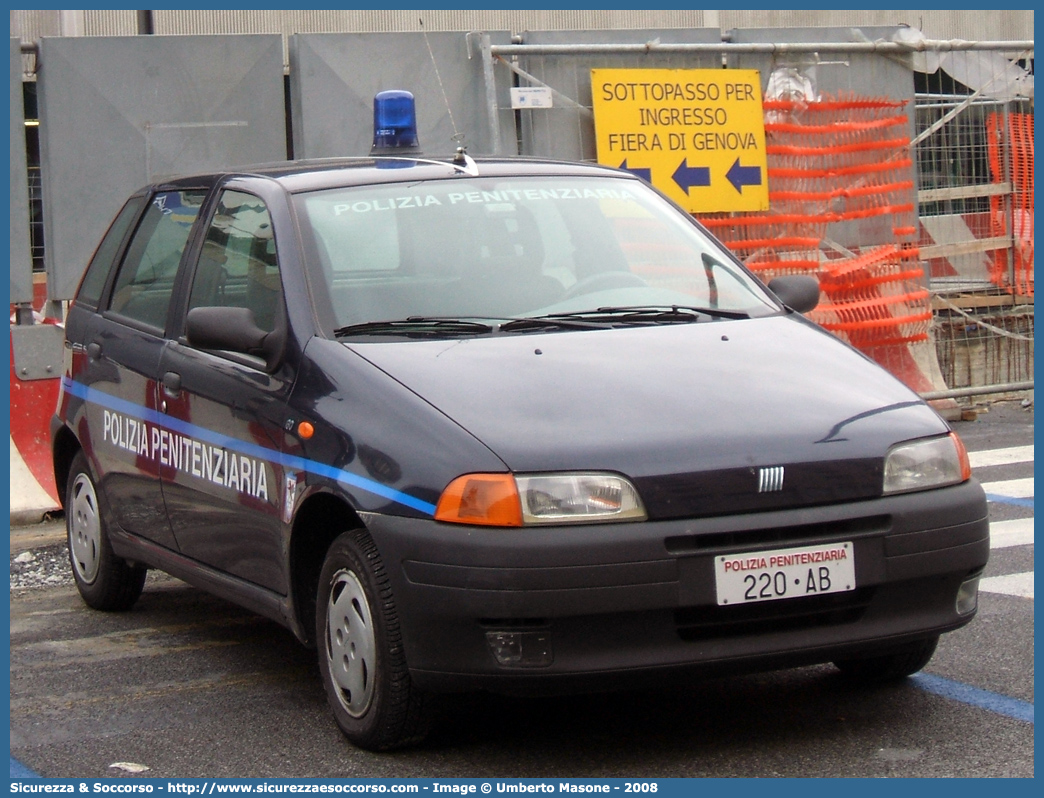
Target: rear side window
101, 264
146, 280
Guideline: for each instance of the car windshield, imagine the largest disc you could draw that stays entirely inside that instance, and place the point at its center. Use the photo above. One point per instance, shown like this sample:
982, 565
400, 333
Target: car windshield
496, 249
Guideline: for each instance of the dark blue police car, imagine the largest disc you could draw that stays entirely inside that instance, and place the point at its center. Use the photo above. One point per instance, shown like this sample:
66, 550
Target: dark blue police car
510, 425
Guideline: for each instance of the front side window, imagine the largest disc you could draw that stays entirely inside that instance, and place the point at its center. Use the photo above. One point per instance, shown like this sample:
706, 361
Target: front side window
496, 249
146, 279
238, 266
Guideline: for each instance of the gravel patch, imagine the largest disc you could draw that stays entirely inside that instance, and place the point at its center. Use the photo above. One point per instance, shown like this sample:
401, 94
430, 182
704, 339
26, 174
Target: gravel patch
48, 566
39, 568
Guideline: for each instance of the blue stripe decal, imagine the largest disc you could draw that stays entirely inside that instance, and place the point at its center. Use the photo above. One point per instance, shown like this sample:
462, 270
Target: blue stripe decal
20, 771
993, 497
965, 693
289, 461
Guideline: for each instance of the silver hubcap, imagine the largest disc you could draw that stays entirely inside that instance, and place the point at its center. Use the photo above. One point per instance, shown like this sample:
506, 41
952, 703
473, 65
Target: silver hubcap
84, 529
351, 647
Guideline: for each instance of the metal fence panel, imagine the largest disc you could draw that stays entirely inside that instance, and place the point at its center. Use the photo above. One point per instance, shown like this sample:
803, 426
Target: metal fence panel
333, 79
115, 113
566, 130
866, 75
861, 73
958, 188
839, 127
975, 161
21, 261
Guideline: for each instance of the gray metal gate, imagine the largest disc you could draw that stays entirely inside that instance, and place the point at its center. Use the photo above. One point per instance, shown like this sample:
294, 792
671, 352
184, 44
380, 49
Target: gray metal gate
21, 261
115, 113
333, 78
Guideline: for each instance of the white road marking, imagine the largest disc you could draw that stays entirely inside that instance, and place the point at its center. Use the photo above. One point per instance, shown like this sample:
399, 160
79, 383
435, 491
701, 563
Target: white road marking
1020, 585
1004, 534
1011, 488
992, 457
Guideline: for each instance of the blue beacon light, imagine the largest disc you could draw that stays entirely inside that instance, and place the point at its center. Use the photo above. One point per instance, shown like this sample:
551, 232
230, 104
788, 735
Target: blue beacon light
394, 122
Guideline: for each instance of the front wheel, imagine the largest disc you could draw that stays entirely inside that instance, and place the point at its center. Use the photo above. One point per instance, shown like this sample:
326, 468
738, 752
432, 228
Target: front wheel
105, 581
361, 657
896, 664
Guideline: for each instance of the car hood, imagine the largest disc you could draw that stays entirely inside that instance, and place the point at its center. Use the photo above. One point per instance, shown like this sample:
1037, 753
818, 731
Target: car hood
690, 412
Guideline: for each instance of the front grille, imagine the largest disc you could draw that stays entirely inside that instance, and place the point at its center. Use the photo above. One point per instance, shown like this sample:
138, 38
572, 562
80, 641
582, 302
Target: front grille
835, 609
728, 491
751, 539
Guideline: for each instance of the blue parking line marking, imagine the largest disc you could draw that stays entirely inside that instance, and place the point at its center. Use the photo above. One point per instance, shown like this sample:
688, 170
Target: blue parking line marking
20, 771
993, 497
966, 694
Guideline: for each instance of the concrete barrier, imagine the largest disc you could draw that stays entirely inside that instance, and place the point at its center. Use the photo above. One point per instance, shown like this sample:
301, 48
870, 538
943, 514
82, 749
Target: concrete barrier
30, 502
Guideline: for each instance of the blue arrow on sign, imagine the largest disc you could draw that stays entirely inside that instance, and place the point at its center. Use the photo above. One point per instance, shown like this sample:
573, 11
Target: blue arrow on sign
644, 174
688, 176
741, 176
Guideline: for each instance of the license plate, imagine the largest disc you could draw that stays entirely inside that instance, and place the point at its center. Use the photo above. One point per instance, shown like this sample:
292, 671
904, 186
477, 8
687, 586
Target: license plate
784, 573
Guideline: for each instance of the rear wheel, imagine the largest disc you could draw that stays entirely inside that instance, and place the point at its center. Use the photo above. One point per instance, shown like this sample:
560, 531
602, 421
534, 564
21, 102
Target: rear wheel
361, 657
896, 664
105, 581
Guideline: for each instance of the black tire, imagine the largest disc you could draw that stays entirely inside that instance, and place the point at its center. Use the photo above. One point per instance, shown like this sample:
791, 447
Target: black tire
897, 664
105, 581
361, 658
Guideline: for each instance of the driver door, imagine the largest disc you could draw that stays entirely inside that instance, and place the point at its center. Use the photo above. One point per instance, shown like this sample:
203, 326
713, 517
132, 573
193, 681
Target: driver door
223, 481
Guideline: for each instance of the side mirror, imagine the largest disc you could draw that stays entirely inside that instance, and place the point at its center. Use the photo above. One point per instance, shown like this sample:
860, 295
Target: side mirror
797, 291
235, 330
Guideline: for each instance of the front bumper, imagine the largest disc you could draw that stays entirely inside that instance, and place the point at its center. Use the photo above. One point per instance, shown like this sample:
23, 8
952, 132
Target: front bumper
618, 600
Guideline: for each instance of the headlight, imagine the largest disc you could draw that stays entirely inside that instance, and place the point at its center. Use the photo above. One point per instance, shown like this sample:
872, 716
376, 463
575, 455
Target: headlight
577, 498
925, 464
523, 500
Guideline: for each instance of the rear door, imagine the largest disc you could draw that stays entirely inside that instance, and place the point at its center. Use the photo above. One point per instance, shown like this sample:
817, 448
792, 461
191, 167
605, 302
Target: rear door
123, 345
222, 479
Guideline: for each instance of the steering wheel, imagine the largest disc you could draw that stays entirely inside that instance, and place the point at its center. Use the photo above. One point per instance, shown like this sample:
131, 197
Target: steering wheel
605, 281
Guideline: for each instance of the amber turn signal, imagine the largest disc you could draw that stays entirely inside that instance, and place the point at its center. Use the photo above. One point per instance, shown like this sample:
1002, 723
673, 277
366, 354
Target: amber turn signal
962, 455
482, 499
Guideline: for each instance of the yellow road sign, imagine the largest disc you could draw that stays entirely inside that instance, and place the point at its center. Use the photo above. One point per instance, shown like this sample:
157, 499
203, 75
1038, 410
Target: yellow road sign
698, 135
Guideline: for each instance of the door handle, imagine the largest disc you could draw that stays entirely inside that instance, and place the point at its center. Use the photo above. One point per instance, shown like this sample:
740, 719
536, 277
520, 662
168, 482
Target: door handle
93, 350
172, 384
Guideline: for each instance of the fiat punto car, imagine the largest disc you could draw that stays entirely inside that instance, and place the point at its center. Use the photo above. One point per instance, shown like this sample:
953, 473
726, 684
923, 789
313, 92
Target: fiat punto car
507, 425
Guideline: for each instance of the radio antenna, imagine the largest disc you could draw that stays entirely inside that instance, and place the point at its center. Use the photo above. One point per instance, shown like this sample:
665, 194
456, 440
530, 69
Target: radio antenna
457, 136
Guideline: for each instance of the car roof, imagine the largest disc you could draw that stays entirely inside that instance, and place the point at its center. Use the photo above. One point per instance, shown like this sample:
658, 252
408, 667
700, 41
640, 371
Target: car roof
316, 174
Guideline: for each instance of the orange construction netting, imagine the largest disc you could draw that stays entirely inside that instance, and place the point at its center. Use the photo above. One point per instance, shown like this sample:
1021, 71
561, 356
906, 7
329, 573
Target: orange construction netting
1016, 277
843, 161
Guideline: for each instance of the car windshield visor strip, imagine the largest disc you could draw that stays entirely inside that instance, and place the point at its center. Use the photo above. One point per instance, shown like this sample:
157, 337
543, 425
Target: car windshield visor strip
102, 399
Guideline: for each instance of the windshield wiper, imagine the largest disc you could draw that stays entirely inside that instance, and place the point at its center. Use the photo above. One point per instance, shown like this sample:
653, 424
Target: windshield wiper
564, 321
671, 313
638, 314
416, 325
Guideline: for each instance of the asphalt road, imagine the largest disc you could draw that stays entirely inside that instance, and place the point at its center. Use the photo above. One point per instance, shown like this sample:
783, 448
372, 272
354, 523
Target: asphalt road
190, 686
